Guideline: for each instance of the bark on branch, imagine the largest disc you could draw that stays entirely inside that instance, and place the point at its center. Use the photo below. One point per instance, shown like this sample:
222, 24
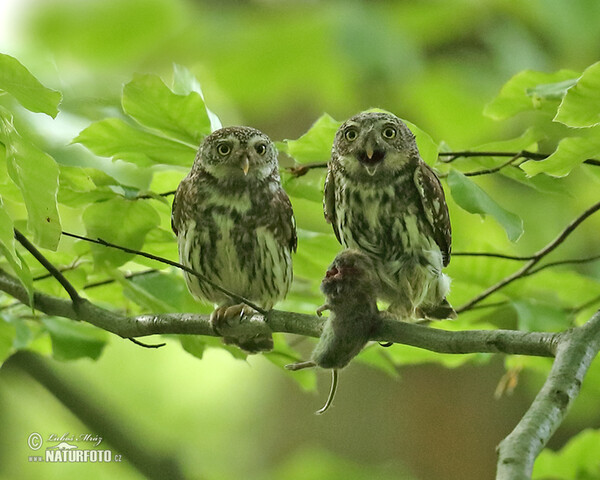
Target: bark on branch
467, 341
575, 351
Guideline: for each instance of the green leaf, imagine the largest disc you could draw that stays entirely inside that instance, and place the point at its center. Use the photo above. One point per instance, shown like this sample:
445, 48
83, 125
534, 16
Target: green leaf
520, 94
376, 356
581, 105
169, 288
308, 186
551, 91
115, 138
196, 345
149, 101
473, 199
21, 84
578, 459
72, 340
122, 222
282, 354
535, 316
7, 234
142, 297
184, 83
428, 149
570, 153
36, 174
315, 145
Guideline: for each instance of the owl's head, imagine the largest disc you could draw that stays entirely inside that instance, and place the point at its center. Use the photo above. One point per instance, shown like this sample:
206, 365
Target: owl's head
241, 153
374, 144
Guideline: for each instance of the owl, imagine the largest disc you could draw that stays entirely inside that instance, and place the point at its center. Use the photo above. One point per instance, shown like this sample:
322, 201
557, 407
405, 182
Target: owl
383, 199
234, 222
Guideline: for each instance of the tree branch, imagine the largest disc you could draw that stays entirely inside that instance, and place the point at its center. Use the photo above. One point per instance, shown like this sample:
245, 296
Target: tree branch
469, 341
48, 266
575, 351
449, 157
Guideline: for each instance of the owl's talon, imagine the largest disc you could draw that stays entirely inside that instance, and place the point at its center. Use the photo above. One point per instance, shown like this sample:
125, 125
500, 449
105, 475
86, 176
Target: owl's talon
228, 322
322, 309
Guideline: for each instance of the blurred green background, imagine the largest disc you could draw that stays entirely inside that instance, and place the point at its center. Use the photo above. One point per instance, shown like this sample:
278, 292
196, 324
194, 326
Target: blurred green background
278, 65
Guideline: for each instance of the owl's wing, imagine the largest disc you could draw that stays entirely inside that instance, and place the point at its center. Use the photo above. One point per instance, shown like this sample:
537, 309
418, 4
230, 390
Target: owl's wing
329, 201
435, 207
285, 219
175, 214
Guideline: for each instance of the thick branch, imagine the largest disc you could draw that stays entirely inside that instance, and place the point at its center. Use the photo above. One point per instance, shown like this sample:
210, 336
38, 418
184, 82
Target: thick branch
470, 341
576, 350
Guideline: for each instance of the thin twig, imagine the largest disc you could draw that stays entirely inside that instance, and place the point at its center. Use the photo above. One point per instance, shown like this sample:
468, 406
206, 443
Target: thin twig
533, 261
466, 154
166, 261
129, 276
494, 255
48, 266
303, 168
145, 345
68, 268
148, 195
488, 171
583, 306
563, 262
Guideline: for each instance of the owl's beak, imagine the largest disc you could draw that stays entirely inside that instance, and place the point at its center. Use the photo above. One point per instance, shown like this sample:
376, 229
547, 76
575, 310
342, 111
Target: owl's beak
245, 165
372, 156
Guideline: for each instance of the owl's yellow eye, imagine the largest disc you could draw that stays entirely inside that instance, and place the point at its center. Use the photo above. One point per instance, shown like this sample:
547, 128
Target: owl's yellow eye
389, 132
260, 148
223, 149
351, 134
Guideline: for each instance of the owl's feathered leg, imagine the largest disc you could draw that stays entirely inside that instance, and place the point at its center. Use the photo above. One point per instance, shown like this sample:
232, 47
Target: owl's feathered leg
435, 306
230, 322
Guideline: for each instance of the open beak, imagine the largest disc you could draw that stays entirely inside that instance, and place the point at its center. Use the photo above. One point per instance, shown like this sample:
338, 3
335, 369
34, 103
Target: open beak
245, 165
373, 155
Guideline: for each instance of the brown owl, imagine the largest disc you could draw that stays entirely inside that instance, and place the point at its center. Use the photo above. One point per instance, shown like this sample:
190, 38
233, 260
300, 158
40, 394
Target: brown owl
234, 222
382, 199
